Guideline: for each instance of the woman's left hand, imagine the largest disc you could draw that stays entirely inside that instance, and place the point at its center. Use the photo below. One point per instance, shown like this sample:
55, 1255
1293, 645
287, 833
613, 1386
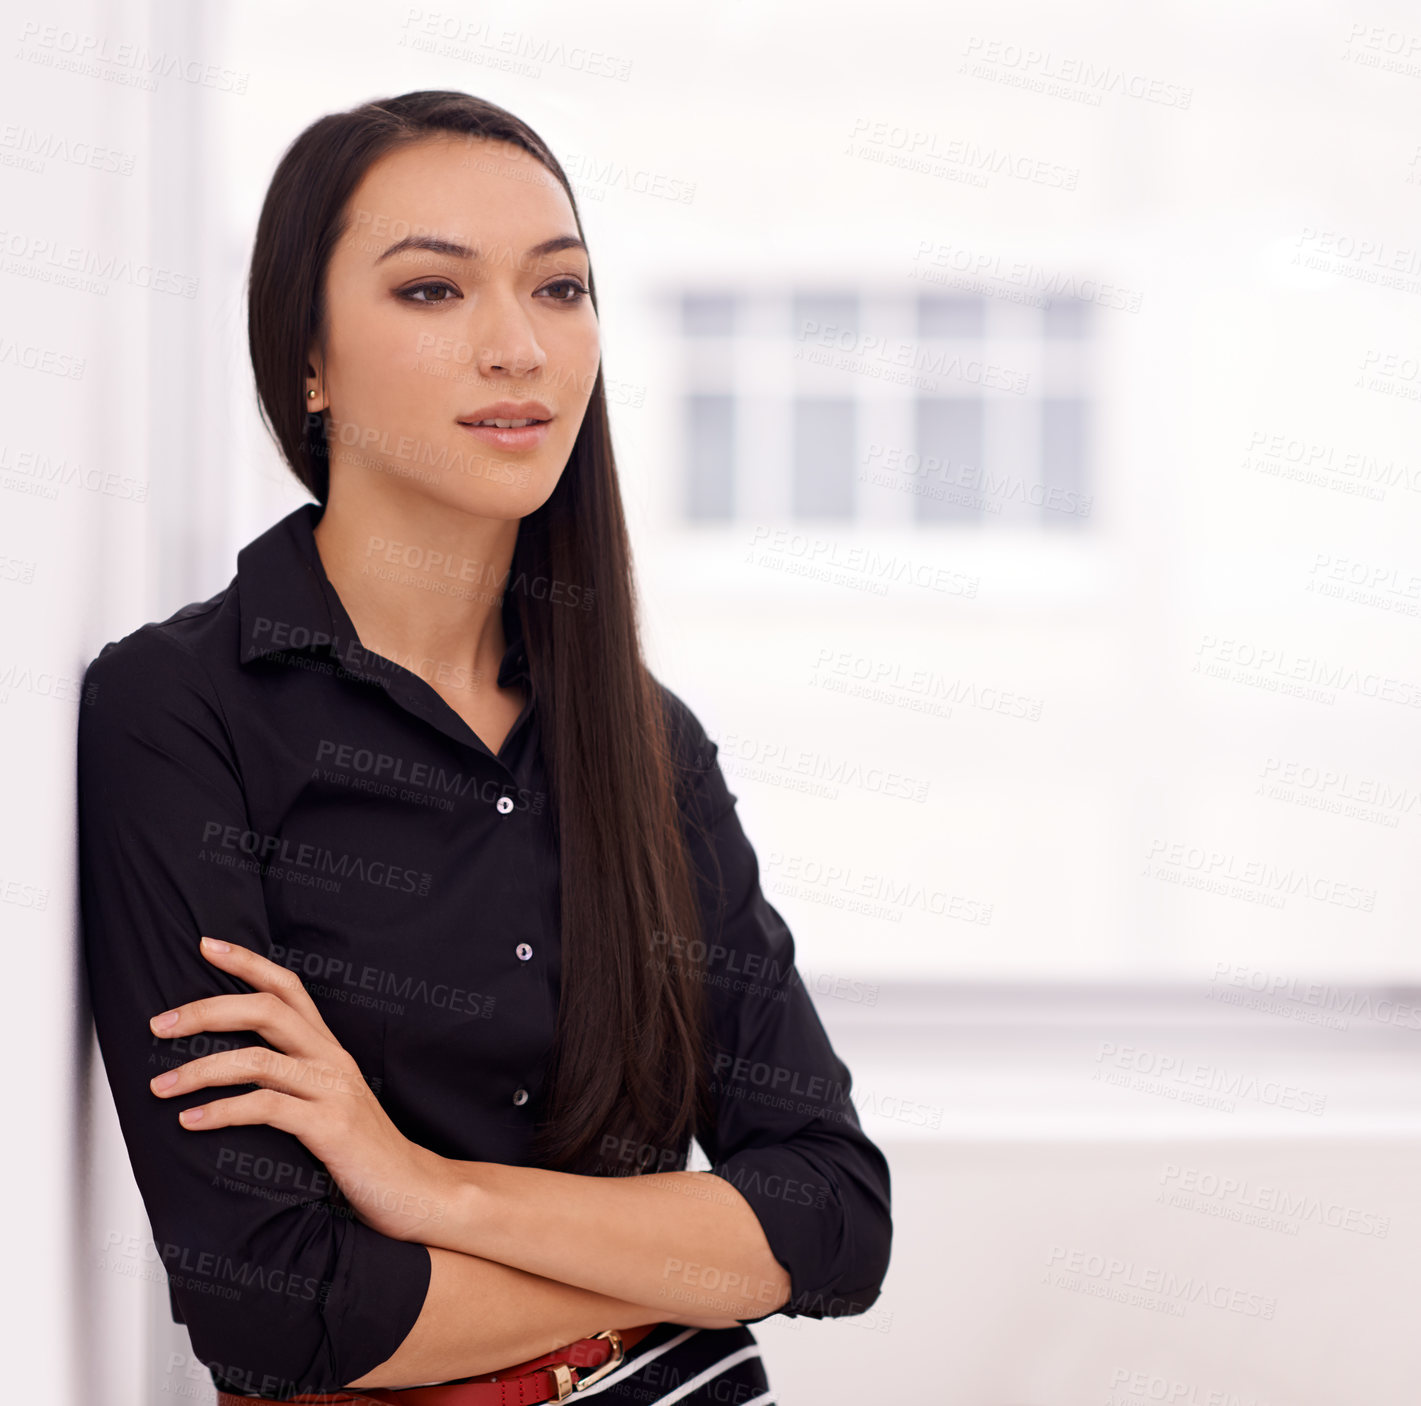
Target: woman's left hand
311, 1087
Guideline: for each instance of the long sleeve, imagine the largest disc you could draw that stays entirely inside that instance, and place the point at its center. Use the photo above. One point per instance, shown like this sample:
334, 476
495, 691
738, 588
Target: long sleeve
787, 1135
281, 1289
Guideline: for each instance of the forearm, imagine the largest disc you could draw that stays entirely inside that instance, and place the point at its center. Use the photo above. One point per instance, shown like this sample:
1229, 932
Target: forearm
686, 1241
479, 1316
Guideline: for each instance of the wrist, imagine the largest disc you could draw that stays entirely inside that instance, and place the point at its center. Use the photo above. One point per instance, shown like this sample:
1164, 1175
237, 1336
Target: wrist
458, 1205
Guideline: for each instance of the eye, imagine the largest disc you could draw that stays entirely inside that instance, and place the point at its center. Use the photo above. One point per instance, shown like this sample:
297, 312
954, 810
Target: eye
576, 295
408, 293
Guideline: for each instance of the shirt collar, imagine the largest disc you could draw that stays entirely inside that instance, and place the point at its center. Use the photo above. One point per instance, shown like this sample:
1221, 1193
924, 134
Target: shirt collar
288, 605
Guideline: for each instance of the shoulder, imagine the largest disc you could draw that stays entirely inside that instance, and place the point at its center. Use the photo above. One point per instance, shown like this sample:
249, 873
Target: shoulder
160, 671
692, 750
701, 788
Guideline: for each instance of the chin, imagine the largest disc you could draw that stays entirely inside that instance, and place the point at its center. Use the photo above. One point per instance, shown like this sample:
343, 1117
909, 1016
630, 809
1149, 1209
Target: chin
510, 499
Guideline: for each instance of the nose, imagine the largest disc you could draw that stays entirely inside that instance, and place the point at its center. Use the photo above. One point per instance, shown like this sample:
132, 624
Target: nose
502, 332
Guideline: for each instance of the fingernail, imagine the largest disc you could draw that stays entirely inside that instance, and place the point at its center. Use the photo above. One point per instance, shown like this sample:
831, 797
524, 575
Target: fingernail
166, 1081
213, 945
162, 1022
192, 1115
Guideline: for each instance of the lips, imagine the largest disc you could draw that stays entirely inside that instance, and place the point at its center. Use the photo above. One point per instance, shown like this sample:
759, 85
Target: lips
512, 437
515, 410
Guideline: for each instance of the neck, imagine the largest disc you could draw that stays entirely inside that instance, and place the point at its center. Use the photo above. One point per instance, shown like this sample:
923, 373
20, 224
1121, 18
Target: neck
421, 580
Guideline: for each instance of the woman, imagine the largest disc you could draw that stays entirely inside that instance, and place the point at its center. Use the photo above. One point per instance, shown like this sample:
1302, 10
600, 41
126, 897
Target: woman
491, 946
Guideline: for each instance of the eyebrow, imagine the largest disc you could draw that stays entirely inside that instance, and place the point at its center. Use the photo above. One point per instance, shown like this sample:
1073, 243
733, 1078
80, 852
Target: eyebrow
434, 245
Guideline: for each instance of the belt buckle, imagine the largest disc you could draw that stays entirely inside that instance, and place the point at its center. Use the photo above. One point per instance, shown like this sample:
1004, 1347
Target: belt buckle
562, 1373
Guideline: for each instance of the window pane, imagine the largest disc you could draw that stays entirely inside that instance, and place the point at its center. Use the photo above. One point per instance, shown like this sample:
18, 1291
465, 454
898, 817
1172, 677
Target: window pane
832, 313
1065, 317
823, 458
949, 434
710, 457
1063, 468
941, 315
707, 314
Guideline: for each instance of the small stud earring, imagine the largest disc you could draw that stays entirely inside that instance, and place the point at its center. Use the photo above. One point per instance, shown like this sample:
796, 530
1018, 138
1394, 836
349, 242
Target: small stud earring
310, 395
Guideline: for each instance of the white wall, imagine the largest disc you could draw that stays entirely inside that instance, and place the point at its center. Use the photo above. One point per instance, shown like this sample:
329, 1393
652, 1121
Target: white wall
111, 481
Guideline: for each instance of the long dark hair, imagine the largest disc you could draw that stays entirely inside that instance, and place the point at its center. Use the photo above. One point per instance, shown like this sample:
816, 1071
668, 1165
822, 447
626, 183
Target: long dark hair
627, 1075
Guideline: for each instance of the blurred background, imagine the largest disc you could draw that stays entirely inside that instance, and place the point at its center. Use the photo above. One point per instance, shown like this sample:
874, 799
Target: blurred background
1017, 417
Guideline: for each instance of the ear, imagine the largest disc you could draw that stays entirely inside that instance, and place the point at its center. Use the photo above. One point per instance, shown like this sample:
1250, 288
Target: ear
315, 380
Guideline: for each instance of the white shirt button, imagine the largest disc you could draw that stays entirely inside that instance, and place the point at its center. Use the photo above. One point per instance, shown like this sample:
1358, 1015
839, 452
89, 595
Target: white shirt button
520, 1096
505, 804
524, 951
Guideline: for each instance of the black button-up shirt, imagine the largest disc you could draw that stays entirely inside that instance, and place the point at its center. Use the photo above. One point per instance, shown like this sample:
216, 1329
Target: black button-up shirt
248, 771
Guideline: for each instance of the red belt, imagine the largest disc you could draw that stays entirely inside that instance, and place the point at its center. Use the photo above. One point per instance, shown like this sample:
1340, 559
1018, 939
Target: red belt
551, 1377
